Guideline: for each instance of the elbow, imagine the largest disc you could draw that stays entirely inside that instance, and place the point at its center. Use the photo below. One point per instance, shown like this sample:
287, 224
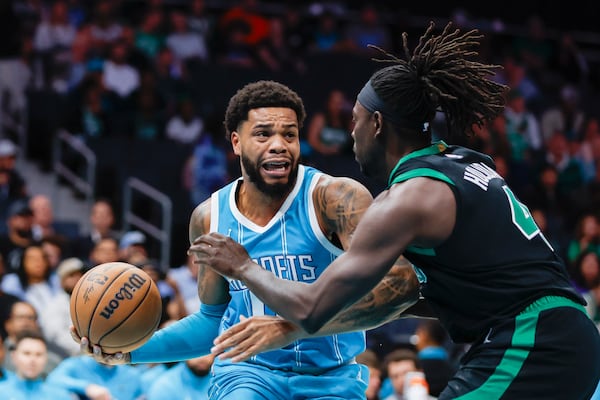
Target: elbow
311, 325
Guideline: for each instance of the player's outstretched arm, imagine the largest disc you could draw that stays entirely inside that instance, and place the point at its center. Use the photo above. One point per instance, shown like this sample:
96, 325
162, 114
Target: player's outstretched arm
407, 213
394, 295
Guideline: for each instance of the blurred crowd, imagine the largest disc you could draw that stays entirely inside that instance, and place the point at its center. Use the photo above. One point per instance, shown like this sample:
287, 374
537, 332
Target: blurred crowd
124, 69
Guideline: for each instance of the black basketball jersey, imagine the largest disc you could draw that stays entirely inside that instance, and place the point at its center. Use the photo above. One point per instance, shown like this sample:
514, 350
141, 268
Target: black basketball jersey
496, 261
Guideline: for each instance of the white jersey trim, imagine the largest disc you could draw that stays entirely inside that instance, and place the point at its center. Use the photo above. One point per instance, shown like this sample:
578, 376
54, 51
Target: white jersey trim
284, 207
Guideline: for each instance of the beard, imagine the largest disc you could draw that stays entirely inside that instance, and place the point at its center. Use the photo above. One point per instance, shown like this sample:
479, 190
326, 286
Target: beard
372, 164
272, 190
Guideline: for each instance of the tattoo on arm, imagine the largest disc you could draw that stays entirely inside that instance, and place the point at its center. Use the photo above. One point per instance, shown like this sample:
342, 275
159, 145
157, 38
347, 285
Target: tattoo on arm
342, 202
396, 292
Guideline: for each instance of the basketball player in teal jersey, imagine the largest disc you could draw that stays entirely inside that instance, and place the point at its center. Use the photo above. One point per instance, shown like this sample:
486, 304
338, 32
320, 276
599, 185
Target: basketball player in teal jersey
489, 274
293, 220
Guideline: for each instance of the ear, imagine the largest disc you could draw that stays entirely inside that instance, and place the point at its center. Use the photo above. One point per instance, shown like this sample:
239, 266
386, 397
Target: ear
235, 143
378, 122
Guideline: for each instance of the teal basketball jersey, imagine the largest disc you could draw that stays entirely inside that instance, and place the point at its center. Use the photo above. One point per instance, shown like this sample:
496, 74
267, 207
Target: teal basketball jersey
291, 246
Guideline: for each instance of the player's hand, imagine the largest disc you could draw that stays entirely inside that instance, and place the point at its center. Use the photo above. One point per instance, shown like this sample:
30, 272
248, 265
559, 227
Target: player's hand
96, 351
255, 335
97, 392
221, 253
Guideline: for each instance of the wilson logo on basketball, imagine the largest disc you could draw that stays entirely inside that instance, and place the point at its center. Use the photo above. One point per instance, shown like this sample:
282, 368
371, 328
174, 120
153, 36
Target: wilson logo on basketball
124, 293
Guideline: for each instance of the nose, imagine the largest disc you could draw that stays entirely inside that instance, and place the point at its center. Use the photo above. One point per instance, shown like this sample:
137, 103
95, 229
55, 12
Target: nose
277, 144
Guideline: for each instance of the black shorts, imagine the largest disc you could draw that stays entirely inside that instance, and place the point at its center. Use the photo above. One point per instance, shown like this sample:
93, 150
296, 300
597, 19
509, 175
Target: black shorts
551, 350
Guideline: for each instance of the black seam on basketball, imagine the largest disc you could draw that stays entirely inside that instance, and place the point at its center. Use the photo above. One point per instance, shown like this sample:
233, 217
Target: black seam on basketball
99, 301
79, 284
125, 320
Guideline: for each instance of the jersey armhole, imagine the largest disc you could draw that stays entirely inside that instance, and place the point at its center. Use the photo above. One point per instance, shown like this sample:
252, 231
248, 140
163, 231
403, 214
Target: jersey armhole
433, 174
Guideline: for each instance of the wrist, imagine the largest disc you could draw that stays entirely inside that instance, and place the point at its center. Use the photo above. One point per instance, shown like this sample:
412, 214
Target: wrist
246, 269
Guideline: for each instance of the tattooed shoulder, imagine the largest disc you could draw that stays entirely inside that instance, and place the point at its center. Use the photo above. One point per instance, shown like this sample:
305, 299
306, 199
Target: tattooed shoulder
340, 203
200, 220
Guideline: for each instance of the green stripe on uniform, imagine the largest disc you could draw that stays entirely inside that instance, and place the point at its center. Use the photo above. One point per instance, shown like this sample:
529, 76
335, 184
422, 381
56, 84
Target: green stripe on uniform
523, 341
421, 172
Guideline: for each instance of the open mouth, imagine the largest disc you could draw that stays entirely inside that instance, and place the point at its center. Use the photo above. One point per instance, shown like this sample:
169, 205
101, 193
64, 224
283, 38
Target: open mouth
276, 168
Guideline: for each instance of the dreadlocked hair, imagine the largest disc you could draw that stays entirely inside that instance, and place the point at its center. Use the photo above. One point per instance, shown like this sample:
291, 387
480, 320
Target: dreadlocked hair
440, 76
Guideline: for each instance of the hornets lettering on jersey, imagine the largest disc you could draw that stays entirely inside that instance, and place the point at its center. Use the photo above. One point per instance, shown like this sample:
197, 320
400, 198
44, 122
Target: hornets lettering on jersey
291, 246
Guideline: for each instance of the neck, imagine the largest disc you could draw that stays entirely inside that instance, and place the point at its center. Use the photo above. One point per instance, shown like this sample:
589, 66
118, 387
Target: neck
255, 205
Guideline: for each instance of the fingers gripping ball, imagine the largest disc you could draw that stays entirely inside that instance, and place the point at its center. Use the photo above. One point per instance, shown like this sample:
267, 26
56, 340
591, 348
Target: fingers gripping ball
116, 306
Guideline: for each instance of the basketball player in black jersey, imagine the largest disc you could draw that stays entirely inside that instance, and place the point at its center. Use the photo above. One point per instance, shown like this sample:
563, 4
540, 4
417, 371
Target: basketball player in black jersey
487, 271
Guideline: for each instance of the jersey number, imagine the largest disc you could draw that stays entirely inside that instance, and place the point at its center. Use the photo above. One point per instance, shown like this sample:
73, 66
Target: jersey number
522, 218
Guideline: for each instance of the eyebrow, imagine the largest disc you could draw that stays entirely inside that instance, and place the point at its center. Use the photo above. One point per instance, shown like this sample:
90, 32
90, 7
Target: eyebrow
270, 125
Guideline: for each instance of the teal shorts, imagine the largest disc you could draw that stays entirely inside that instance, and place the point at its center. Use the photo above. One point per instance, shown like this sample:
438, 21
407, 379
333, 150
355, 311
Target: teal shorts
254, 382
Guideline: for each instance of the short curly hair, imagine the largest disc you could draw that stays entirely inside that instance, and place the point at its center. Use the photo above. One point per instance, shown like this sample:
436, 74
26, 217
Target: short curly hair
261, 94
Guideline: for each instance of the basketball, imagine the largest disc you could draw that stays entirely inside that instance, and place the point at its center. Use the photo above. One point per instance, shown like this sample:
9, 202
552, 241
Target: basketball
117, 306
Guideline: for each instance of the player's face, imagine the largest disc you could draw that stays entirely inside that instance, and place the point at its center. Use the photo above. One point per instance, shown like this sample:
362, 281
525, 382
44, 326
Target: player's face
269, 147
368, 150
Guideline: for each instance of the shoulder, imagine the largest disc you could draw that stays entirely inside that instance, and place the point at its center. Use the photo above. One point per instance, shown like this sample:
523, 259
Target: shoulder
340, 191
200, 220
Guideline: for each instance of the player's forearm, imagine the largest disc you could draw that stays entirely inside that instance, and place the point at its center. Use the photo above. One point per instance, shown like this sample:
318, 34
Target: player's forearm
397, 293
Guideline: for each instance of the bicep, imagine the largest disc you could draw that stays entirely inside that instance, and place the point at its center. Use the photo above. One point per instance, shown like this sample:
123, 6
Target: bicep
212, 287
340, 205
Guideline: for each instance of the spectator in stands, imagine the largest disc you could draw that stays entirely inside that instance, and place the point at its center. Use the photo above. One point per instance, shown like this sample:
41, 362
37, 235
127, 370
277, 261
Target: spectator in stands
296, 30
86, 377
30, 357
396, 365
12, 185
371, 360
207, 168
44, 224
431, 339
585, 271
102, 220
274, 52
119, 76
149, 38
148, 119
185, 126
55, 321
201, 23
234, 50
6, 302
132, 247
170, 79
535, 49
526, 143
33, 281
567, 117
515, 76
14, 74
55, 247
105, 250
570, 174
369, 30
54, 37
571, 61
104, 30
245, 13
185, 44
189, 379
18, 235
173, 307
327, 36
586, 237
329, 129
23, 318
186, 278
